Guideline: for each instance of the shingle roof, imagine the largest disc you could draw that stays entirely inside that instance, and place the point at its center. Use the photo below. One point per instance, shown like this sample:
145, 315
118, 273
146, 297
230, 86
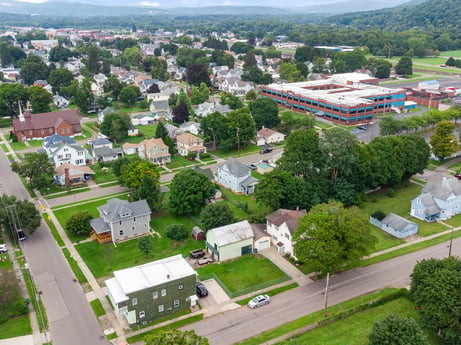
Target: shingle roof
106, 151
188, 138
396, 222
53, 139
235, 167
232, 233
150, 143
48, 120
115, 208
290, 217
100, 141
60, 170
442, 189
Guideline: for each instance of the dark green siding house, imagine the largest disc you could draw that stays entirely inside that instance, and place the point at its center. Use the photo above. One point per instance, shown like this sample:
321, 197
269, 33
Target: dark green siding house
153, 290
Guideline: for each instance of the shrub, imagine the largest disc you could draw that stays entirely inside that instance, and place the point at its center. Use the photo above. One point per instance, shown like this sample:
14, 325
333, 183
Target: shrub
191, 156
379, 215
176, 232
204, 155
79, 223
391, 192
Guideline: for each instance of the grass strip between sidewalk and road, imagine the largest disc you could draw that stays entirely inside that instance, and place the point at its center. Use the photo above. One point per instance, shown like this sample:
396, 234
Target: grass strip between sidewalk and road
53, 229
174, 325
97, 307
74, 266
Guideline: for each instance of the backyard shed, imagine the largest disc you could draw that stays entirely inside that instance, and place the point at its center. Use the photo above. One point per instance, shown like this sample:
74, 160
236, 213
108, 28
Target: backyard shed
197, 233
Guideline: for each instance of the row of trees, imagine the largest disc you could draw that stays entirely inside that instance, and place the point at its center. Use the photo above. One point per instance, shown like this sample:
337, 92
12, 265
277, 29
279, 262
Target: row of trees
313, 170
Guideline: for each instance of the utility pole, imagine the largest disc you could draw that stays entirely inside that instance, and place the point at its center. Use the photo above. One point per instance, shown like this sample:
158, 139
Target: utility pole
451, 242
326, 296
214, 138
238, 140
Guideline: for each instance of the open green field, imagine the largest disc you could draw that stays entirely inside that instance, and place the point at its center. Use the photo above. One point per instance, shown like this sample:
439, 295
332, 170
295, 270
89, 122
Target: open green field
148, 131
18, 146
15, 327
354, 329
245, 273
103, 177
436, 61
453, 53
247, 149
179, 162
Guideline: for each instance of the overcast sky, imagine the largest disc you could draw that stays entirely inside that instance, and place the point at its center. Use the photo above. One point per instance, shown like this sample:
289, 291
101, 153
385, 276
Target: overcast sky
190, 3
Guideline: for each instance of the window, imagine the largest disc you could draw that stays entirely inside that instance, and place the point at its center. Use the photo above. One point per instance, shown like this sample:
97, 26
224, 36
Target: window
142, 314
51, 130
62, 131
42, 131
30, 132
133, 228
176, 303
163, 292
161, 308
120, 222
287, 236
181, 287
134, 301
134, 219
68, 130
121, 232
155, 295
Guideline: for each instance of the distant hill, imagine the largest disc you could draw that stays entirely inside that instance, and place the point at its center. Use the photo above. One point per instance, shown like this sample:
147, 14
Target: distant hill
74, 9
429, 14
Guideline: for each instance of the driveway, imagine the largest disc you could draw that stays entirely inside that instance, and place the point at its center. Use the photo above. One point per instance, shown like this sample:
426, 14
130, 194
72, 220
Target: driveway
286, 266
217, 301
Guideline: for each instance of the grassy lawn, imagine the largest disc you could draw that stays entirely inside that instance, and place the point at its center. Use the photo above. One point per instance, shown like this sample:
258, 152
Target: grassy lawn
35, 143
104, 259
455, 167
53, 230
5, 122
97, 307
354, 329
315, 317
429, 60
148, 131
103, 177
74, 266
245, 274
4, 148
244, 150
131, 140
454, 221
18, 146
15, 327
65, 213
179, 162
323, 125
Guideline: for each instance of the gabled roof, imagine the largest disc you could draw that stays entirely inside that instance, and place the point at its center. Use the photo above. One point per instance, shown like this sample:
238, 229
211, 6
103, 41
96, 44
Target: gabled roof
106, 151
396, 222
444, 188
114, 209
47, 120
232, 233
100, 141
290, 217
235, 167
266, 132
53, 139
150, 143
188, 138
60, 170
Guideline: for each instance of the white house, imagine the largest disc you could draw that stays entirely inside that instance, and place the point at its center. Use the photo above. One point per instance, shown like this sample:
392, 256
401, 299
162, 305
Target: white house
268, 136
281, 225
236, 176
61, 153
187, 143
191, 127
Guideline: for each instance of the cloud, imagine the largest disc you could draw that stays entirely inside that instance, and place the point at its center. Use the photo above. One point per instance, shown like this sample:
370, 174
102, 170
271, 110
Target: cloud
189, 2
33, 1
227, 3
150, 4
5, 4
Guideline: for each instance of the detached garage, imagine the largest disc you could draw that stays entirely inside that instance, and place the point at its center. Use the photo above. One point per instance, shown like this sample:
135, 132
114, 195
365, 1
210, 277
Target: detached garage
262, 240
230, 241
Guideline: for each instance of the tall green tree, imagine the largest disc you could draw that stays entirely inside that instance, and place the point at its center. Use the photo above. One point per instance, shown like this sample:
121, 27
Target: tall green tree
444, 143
197, 73
397, 330
83, 96
404, 66
33, 69
79, 223
39, 99
10, 97
330, 236
242, 124
149, 189
180, 113
215, 215
129, 95
435, 289
145, 245
59, 54
302, 155
21, 215
161, 131
134, 175
60, 77
93, 61
265, 113
189, 192
35, 167
115, 125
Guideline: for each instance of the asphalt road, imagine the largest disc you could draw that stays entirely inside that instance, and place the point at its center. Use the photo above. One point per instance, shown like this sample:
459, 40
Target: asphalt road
239, 324
71, 320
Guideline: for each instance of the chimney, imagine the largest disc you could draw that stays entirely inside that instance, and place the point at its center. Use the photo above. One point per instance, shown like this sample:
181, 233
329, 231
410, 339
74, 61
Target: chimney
66, 177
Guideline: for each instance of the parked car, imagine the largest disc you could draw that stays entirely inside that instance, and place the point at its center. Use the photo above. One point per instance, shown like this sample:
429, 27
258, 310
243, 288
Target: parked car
252, 166
266, 150
201, 290
259, 301
362, 127
458, 176
204, 261
3, 248
21, 235
197, 253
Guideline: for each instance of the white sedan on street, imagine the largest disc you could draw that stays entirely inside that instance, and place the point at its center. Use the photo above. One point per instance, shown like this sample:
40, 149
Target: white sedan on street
259, 301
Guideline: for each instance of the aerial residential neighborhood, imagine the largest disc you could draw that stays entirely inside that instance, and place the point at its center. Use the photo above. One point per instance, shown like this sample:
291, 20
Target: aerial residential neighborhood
212, 175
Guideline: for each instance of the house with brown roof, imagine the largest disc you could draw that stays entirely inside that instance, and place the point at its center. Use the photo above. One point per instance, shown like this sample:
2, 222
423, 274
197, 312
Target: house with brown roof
38, 126
67, 174
268, 136
155, 150
187, 143
281, 225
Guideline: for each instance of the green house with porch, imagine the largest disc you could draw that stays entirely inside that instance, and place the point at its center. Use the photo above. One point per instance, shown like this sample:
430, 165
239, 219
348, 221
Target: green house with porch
153, 290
